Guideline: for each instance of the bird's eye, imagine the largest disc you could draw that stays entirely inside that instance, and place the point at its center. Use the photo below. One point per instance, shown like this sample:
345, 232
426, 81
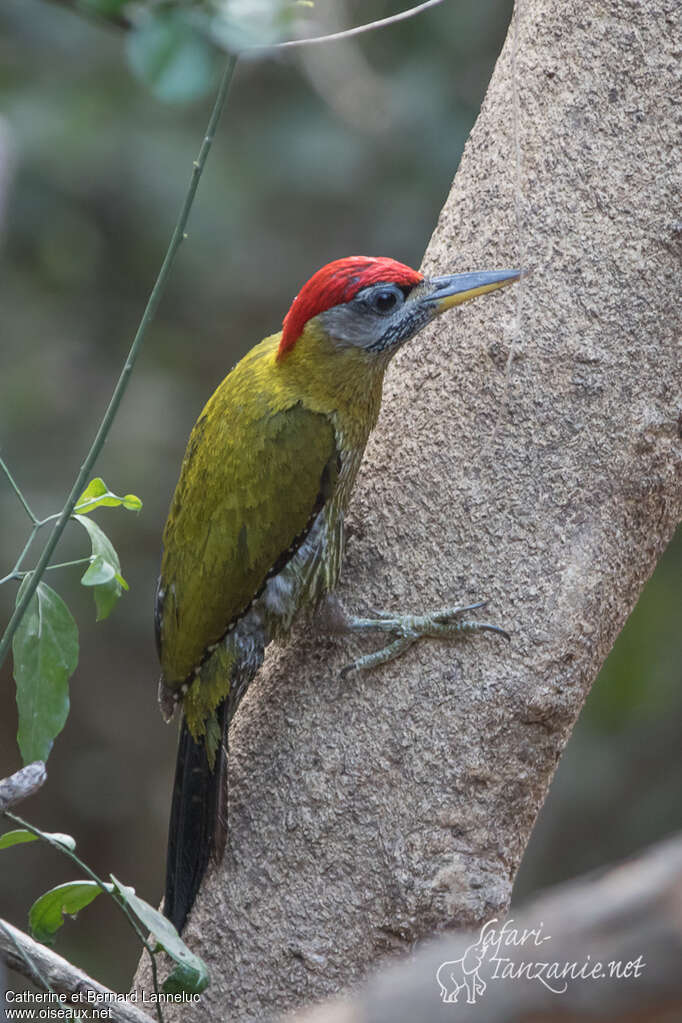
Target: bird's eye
385, 300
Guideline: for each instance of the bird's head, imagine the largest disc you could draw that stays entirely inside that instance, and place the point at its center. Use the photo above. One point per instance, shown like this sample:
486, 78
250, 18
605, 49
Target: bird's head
378, 304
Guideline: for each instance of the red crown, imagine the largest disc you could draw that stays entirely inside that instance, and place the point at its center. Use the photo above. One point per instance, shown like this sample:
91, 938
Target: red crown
339, 282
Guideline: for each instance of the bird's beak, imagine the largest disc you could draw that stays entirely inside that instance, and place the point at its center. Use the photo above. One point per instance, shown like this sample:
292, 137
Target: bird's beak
453, 289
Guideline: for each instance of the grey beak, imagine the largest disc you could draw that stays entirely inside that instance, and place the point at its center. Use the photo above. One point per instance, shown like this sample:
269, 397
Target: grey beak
453, 289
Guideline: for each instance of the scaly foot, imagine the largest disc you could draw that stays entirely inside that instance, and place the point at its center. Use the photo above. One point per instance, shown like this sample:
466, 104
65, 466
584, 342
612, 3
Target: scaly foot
407, 629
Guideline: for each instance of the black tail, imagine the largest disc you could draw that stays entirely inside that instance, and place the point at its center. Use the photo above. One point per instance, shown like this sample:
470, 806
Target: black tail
198, 820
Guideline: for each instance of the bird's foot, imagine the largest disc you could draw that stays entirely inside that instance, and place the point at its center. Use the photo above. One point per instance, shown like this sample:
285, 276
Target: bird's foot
445, 623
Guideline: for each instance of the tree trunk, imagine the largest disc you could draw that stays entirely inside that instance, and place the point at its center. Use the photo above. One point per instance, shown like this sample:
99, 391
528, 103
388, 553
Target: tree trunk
534, 462
601, 949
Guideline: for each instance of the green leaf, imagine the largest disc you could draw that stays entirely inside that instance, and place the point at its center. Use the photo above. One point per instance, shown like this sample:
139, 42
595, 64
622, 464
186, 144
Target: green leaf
45, 650
248, 24
191, 974
104, 571
132, 503
106, 598
99, 572
186, 979
98, 495
16, 837
46, 915
172, 57
237, 34
95, 495
21, 835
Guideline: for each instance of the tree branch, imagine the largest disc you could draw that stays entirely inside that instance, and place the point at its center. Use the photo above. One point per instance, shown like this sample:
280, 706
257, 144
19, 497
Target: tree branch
369, 812
22, 784
591, 922
41, 965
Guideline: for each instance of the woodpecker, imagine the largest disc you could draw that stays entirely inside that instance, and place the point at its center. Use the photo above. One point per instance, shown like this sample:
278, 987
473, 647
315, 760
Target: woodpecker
255, 528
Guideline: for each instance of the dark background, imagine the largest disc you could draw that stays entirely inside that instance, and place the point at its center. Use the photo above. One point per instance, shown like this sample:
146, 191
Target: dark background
344, 151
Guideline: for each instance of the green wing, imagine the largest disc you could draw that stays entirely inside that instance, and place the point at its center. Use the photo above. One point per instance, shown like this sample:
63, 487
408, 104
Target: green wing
251, 481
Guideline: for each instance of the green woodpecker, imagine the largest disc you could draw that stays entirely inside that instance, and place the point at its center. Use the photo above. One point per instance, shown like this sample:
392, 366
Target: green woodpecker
255, 529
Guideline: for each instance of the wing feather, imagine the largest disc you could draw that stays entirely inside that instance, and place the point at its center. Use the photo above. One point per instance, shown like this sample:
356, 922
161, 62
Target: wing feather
251, 482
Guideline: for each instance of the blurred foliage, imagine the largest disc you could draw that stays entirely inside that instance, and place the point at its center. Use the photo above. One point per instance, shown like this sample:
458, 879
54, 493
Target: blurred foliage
350, 148
172, 57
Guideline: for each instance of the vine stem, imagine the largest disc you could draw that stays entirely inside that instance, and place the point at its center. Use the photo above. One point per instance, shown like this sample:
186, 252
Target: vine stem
119, 390
17, 490
349, 33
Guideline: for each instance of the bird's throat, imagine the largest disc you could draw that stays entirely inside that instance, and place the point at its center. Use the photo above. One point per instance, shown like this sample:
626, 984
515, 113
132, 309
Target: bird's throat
342, 382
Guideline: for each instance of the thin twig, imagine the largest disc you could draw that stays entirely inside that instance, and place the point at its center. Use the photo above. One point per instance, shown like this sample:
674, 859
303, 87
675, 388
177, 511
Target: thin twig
25, 549
348, 33
49, 518
119, 390
17, 491
69, 564
44, 967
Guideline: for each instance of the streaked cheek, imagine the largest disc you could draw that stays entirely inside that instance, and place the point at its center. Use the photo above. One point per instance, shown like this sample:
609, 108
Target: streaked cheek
408, 325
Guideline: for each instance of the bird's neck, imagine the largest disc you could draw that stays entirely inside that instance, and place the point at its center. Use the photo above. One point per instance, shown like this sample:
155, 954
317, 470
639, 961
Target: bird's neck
344, 382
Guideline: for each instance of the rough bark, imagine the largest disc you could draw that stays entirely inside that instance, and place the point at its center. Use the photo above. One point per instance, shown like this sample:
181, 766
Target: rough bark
604, 949
369, 812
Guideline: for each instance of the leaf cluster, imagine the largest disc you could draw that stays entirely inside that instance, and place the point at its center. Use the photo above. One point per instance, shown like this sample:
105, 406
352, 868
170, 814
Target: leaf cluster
45, 643
177, 49
46, 915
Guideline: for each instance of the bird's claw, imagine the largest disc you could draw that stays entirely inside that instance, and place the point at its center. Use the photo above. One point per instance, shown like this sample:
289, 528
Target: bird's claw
408, 629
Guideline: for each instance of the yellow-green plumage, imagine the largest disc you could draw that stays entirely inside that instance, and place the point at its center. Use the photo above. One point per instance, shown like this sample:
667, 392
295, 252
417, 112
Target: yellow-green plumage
277, 441
254, 533
255, 529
